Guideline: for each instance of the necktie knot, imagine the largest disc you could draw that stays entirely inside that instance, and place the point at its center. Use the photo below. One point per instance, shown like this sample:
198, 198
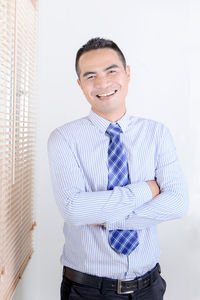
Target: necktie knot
113, 130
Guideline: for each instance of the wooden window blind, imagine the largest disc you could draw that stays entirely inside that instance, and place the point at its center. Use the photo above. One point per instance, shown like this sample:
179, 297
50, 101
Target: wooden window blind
18, 49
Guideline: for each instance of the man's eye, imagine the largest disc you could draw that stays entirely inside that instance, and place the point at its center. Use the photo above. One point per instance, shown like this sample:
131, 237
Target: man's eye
90, 77
112, 71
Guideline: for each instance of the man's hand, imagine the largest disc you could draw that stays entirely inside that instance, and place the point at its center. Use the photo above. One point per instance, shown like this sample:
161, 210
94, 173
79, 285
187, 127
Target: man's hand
154, 187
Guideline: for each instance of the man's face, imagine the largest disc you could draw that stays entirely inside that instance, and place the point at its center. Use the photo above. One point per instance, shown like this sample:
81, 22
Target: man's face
104, 81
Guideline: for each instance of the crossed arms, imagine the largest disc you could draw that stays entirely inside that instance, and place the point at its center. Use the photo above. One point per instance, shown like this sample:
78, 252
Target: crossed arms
135, 206
155, 192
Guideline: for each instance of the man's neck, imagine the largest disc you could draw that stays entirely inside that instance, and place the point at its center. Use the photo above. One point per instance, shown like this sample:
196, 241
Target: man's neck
111, 117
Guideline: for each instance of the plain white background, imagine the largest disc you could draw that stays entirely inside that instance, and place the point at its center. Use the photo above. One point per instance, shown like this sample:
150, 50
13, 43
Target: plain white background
160, 40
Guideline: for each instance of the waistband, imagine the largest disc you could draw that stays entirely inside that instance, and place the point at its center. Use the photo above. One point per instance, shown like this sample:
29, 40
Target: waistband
124, 286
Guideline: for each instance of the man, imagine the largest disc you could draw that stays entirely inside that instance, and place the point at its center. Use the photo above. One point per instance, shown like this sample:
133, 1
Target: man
115, 177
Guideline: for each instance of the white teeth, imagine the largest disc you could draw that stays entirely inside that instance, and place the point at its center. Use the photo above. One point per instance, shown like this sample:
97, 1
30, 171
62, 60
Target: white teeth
108, 94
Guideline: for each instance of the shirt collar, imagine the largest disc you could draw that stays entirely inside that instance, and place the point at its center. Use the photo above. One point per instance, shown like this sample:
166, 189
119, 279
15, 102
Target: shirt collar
103, 124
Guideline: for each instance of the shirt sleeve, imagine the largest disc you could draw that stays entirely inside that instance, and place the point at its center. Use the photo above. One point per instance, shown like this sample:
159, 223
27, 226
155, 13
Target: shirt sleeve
171, 203
79, 206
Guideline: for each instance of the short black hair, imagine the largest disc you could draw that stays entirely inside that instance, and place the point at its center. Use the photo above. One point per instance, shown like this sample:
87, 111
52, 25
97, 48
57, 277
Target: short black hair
98, 43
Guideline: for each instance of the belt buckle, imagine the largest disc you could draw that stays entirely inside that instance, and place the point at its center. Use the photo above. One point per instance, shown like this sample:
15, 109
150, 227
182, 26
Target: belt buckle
119, 287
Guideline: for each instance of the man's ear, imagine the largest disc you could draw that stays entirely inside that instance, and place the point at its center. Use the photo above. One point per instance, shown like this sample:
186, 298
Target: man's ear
79, 82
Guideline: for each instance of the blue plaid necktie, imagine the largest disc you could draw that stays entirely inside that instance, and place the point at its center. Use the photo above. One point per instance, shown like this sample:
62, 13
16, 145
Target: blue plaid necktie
123, 241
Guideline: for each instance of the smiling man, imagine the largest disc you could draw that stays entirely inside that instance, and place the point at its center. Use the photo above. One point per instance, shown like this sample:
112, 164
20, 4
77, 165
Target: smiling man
115, 177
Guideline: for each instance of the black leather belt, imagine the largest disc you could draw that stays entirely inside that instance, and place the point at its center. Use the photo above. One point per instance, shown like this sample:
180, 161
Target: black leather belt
124, 286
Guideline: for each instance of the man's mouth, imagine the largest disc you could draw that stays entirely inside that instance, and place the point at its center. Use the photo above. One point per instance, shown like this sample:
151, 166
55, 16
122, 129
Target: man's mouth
106, 95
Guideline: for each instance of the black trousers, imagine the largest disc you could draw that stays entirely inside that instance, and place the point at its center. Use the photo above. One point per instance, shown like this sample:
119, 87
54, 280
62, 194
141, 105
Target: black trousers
75, 291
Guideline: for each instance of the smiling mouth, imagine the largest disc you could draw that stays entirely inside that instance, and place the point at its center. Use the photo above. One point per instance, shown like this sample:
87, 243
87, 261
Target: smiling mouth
106, 95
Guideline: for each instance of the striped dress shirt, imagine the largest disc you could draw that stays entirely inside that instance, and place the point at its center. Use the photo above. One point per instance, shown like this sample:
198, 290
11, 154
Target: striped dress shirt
78, 158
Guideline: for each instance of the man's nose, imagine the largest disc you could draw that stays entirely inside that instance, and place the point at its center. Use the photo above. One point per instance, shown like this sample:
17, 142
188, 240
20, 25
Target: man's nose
101, 82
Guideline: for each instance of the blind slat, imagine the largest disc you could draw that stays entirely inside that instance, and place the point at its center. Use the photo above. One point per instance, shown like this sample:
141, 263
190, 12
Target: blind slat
18, 39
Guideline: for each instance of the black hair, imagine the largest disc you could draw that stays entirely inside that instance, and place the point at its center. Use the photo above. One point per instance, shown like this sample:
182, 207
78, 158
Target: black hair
98, 43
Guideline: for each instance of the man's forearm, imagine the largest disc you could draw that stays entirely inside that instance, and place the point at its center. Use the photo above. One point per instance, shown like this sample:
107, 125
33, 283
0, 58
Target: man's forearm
166, 206
85, 208
171, 203
154, 189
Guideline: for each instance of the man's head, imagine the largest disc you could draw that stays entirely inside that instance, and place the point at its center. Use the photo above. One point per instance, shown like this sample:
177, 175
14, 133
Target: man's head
103, 77
98, 43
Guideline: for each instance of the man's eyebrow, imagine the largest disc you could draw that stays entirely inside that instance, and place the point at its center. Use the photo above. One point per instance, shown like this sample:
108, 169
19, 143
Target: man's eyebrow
111, 67
88, 73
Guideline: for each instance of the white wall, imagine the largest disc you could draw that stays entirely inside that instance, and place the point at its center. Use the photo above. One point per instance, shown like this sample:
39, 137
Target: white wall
159, 39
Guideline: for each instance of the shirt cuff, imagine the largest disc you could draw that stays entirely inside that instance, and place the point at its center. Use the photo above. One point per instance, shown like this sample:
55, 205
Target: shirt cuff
142, 194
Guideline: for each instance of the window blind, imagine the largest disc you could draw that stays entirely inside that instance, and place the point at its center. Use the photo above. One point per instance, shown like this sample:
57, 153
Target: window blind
18, 49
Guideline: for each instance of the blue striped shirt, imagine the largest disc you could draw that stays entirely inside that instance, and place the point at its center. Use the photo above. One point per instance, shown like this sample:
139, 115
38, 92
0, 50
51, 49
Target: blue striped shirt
78, 158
